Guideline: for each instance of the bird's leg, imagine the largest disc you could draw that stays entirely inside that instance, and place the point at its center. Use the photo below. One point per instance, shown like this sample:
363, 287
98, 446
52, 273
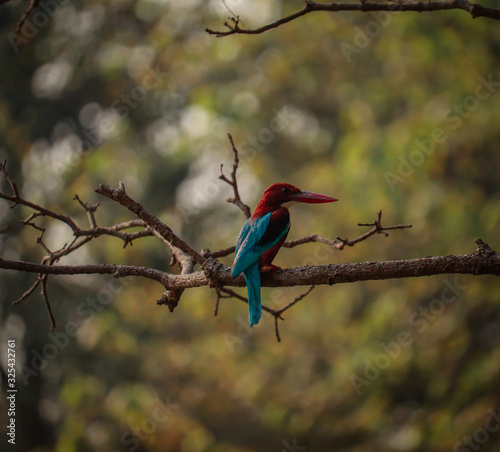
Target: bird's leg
269, 268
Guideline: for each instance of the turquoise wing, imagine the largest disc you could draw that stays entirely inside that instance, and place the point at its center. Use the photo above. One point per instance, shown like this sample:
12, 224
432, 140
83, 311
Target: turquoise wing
250, 246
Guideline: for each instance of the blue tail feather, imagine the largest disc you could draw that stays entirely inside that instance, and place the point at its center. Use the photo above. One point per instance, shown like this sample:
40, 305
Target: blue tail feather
252, 278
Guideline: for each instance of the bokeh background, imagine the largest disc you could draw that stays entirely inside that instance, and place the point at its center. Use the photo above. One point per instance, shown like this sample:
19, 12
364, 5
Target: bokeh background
98, 92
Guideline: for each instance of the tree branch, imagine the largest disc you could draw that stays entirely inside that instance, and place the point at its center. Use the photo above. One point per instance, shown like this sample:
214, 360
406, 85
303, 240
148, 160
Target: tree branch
484, 261
339, 244
118, 271
82, 237
474, 9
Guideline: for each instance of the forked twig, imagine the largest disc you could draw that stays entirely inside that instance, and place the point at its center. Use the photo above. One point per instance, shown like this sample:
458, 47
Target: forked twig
233, 182
338, 244
341, 243
276, 313
289, 305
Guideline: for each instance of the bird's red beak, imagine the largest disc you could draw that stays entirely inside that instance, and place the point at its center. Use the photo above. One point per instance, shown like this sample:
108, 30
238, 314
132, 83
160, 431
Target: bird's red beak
312, 198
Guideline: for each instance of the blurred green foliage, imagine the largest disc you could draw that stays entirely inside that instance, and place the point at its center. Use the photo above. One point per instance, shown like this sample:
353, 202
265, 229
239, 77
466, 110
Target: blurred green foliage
137, 91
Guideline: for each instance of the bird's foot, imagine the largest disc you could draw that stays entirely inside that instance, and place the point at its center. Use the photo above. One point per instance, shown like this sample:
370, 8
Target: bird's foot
269, 269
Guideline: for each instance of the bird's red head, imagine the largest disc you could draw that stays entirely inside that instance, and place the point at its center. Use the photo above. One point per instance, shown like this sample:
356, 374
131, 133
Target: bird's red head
280, 193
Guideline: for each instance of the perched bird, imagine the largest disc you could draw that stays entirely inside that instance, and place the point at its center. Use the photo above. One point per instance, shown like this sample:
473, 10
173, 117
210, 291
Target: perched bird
262, 236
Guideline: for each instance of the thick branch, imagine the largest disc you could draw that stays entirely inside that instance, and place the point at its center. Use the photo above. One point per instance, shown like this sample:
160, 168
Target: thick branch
474, 9
186, 263
482, 262
118, 271
119, 195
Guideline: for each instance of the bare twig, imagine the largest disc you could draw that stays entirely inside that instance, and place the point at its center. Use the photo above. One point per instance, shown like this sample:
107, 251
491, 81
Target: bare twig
233, 182
377, 229
474, 9
278, 312
339, 244
47, 303
234, 28
90, 209
12, 184
232, 294
28, 292
296, 300
31, 7
16, 199
220, 253
219, 296
227, 7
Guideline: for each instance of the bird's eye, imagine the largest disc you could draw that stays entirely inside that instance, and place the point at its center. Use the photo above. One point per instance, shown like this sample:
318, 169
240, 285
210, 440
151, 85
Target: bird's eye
285, 190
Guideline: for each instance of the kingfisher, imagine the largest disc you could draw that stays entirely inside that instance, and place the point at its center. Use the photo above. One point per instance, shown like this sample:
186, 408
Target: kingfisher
262, 236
